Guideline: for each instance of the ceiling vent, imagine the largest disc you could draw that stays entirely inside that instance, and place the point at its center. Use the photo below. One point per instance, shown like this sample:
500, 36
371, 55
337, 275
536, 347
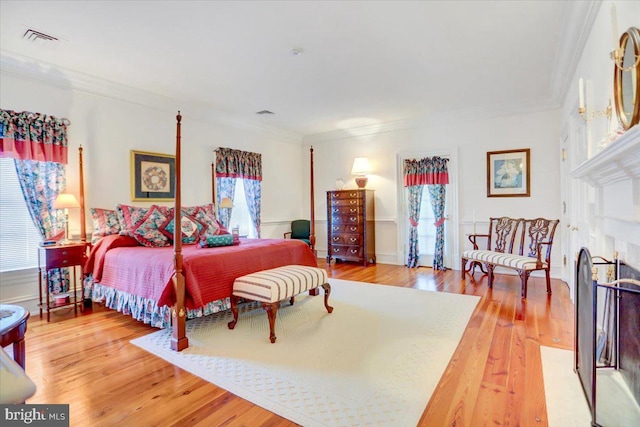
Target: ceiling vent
34, 35
265, 112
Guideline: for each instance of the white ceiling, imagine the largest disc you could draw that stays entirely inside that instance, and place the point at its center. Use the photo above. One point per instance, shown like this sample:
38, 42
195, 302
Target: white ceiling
364, 62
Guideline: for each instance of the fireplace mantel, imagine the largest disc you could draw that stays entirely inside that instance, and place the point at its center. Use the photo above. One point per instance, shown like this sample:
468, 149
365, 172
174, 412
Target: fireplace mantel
619, 161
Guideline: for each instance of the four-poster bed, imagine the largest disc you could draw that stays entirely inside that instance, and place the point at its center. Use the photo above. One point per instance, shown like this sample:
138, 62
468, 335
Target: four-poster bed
167, 285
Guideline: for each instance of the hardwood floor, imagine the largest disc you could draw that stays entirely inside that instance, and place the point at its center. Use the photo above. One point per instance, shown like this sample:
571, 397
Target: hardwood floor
494, 377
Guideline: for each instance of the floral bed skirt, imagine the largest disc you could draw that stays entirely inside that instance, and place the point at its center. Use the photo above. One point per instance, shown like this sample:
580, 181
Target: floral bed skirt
144, 309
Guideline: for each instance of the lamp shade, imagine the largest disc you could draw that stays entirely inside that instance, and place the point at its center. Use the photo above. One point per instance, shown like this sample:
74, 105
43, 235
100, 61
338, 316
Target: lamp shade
65, 200
226, 203
361, 166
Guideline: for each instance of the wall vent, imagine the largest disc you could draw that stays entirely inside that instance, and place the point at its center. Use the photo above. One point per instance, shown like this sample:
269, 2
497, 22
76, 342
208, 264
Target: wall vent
34, 35
265, 112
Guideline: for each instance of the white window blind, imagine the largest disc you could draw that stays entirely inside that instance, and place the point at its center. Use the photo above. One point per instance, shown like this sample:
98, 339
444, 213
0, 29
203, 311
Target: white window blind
19, 238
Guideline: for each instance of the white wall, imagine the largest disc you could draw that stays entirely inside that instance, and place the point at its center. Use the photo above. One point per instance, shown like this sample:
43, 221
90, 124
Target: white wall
334, 155
612, 211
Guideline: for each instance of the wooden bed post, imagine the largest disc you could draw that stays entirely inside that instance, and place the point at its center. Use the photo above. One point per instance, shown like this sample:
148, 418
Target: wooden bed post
312, 236
179, 340
83, 224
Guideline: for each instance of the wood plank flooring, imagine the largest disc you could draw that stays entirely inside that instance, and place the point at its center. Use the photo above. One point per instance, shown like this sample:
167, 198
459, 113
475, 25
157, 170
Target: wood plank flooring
494, 377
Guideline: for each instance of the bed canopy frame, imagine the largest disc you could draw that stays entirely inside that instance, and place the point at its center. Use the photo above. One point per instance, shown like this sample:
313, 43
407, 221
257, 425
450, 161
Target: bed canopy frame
179, 340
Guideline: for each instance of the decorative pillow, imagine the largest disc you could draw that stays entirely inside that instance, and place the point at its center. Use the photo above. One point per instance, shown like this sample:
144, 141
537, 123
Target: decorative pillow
129, 217
205, 214
147, 231
105, 223
221, 228
210, 241
191, 228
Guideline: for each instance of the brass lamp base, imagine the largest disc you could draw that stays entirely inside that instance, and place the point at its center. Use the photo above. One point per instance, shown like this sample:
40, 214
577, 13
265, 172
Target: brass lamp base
361, 181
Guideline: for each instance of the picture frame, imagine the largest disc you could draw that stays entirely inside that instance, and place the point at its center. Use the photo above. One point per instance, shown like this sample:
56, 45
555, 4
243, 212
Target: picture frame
152, 176
509, 173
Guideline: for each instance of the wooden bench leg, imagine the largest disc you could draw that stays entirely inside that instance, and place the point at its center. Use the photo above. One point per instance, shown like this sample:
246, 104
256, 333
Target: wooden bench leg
234, 310
524, 276
272, 310
327, 292
547, 274
490, 268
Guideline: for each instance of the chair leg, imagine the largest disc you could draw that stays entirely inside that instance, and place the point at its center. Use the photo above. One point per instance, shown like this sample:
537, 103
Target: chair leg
327, 292
234, 310
463, 267
548, 275
272, 310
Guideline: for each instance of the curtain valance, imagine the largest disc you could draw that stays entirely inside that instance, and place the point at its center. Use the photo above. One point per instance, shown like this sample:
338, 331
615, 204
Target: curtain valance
426, 171
232, 163
33, 136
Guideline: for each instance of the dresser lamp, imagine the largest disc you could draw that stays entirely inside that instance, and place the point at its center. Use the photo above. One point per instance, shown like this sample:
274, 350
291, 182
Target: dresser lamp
66, 201
360, 169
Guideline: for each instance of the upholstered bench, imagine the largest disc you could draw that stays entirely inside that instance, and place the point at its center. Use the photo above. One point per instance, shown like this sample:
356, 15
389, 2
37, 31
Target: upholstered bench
270, 287
515, 243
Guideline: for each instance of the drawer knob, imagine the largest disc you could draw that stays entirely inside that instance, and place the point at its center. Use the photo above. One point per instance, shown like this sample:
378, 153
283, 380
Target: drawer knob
336, 210
353, 228
353, 251
336, 250
335, 239
64, 252
64, 261
336, 228
353, 219
353, 194
353, 202
353, 239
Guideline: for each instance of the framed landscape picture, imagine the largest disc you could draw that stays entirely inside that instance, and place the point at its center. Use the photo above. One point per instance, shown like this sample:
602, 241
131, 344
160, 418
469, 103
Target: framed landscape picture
508, 173
152, 176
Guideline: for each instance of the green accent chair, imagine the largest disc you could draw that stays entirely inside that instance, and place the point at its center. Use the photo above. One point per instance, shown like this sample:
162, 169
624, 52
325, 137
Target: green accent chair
301, 230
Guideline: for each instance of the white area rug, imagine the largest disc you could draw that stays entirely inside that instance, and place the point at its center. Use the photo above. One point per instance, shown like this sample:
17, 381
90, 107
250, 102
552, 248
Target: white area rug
374, 361
566, 403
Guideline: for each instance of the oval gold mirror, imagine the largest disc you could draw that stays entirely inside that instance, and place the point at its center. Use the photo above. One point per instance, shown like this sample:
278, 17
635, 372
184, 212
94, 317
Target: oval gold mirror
626, 80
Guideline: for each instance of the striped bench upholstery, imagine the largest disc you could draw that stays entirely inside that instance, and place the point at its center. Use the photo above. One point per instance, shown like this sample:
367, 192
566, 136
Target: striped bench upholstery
504, 260
279, 283
270, 287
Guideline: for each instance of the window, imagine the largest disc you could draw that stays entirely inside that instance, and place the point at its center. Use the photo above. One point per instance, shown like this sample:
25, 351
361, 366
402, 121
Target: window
19, 238
240, 214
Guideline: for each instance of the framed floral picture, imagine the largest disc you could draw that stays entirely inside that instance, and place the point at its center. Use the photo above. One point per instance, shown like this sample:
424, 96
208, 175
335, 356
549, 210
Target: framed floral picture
508, 173
152, 176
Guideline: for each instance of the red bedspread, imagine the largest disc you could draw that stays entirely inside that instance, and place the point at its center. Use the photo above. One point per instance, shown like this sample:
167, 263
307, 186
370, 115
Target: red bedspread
209, 272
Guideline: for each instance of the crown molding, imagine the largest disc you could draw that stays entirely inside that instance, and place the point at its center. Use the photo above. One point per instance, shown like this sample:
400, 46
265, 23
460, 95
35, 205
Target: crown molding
579, 17
32, 69
361, 131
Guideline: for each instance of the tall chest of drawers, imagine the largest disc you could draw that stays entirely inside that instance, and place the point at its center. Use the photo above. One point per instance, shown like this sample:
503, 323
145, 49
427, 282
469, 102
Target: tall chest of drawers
351, 226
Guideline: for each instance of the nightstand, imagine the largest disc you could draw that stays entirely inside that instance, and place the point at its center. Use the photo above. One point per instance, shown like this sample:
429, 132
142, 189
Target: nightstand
72, 256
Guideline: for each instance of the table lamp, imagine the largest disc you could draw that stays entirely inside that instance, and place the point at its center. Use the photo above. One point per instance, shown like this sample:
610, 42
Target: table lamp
361, 168
66, 201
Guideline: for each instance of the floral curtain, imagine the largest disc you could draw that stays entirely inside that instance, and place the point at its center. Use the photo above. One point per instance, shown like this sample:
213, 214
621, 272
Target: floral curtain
437, 193
433, 172
237, 164
253, 195
415, 201
38, 144
33, 136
